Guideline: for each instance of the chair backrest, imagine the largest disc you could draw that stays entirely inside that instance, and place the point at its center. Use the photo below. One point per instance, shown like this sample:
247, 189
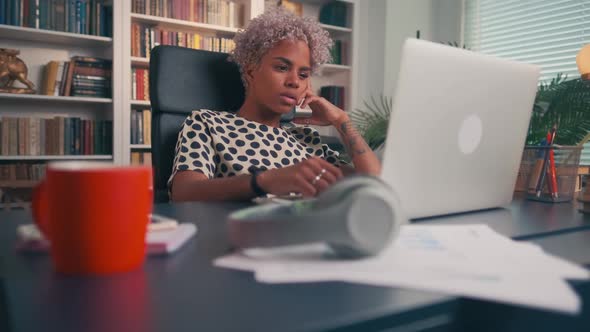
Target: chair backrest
182, 80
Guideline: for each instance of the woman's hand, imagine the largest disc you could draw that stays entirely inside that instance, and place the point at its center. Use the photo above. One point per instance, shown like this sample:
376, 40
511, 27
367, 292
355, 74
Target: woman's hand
324, 113
309, 178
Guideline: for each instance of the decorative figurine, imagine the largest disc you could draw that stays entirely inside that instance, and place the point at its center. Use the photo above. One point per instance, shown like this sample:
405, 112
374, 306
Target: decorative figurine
12, 68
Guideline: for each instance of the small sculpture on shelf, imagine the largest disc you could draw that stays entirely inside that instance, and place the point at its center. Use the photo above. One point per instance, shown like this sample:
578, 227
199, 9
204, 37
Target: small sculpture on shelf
13, 69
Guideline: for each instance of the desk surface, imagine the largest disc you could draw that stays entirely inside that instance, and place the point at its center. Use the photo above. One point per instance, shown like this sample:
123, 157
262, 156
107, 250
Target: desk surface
185, 292
524, 219
571, 246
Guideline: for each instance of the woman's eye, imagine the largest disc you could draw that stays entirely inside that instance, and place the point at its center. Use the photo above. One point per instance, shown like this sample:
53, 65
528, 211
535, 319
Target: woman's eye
282, 68
303, 75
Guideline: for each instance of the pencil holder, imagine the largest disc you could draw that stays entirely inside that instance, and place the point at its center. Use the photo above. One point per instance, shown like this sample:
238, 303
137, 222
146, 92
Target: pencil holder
550, 172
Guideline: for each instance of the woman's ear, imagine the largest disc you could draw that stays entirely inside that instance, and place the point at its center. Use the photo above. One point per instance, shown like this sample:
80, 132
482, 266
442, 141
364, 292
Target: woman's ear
249, 74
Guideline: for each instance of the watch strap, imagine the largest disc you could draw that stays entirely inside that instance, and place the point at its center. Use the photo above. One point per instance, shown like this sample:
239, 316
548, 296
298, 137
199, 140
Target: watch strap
254, 183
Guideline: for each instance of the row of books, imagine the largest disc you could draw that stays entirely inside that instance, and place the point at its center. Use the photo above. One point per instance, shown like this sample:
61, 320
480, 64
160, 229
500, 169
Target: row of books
334, 13
21, 172
35, 136
140, 80
145, 37
141, 127
334, 94
91, 17
141, 158
81, 76
339, 52
218, 12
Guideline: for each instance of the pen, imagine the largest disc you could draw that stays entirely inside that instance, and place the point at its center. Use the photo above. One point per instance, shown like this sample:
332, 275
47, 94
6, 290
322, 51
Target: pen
539, 186
536, 170
552, 170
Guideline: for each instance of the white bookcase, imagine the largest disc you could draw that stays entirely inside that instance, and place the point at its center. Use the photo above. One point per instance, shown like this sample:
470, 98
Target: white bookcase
337, 74
37, 48
252, 8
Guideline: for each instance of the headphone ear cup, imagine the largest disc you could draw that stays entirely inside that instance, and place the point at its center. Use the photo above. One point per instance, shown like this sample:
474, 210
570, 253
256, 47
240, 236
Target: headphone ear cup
373, 219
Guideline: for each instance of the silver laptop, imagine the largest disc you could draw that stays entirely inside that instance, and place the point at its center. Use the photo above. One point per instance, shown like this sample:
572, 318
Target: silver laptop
457, 129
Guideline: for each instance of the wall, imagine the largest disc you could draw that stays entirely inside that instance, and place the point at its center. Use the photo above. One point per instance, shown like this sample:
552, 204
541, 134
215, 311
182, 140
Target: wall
387, 24
371, 49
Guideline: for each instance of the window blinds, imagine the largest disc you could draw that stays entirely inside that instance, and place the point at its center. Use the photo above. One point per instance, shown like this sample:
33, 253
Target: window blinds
548, 33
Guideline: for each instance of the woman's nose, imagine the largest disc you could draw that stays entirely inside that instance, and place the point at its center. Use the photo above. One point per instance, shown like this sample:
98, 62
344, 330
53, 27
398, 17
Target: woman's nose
292, 80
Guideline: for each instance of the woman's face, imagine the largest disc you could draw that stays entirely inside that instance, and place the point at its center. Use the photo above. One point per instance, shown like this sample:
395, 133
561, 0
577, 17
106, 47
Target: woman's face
278, 83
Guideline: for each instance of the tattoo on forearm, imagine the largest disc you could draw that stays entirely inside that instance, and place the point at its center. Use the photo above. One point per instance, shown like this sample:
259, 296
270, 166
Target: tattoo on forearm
353, 142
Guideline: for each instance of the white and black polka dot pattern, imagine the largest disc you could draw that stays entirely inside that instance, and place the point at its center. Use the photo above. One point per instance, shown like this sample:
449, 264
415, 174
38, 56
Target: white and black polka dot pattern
222, 144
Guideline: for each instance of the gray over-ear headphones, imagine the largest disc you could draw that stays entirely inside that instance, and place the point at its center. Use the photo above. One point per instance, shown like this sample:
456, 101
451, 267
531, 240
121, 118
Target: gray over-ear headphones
358, 216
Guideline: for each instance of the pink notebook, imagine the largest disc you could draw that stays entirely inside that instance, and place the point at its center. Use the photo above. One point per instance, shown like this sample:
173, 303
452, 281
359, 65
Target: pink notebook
159, 242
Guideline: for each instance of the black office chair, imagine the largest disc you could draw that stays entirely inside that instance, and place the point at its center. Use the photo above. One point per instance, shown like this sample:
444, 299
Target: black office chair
182, 80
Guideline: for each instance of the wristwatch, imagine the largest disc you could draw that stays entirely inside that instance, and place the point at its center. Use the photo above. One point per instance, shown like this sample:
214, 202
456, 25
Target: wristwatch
254, 183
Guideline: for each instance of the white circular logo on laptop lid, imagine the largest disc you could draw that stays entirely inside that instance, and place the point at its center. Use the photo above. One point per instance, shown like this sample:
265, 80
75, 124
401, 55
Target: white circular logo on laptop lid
470, 134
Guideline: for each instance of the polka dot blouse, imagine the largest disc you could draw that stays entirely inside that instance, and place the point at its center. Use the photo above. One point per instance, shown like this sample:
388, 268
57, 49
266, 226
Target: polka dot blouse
222, 144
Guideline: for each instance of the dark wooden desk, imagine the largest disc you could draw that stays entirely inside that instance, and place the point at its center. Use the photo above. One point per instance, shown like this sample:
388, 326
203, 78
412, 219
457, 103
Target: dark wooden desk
185, 292
572, 246
524, 219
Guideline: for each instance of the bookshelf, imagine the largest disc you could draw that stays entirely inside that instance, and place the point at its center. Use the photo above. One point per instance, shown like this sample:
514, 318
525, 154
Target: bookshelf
39, 43
137, 61
141, 146
55, 37
335, 30
39, 46
332, 68
341, 74
136, 102
182, 25
153, 19
20, 184
54, 99
54, 157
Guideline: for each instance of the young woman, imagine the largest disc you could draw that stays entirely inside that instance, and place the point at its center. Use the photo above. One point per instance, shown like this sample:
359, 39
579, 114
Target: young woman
238, 156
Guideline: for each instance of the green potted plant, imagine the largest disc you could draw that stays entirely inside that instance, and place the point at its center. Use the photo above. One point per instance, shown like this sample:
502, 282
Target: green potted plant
565, 103
373, 121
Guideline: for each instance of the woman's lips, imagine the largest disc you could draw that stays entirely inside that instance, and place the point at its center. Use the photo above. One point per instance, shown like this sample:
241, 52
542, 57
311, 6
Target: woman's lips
288, 100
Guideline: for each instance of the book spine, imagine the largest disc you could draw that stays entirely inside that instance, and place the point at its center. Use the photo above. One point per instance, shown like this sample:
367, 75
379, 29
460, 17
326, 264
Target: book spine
147, 125
77, 136
34, 126
67, 136
72, 146
91, 136
140, 127
96, 133
5, 137
42, 138
133, 137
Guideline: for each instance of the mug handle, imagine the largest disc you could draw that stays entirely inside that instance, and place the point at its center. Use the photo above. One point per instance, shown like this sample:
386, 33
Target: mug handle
40, 207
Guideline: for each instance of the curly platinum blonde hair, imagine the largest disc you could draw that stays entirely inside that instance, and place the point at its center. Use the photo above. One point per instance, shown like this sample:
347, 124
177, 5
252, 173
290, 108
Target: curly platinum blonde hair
266, 30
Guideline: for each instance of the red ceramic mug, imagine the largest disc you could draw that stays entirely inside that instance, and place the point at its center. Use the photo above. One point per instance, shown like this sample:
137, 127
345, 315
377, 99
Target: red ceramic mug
95, 215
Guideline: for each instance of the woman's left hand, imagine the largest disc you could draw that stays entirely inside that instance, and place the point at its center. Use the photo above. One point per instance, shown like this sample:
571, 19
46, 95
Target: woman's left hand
324, 113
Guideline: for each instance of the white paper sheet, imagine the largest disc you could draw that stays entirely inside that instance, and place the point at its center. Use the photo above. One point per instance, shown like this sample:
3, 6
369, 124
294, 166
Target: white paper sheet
468, 260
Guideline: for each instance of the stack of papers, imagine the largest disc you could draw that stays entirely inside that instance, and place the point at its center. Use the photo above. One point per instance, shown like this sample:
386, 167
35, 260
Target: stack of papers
467, 260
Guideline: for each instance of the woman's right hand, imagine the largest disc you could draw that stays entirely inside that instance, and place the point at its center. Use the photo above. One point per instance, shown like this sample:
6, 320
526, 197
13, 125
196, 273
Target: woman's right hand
309, 178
